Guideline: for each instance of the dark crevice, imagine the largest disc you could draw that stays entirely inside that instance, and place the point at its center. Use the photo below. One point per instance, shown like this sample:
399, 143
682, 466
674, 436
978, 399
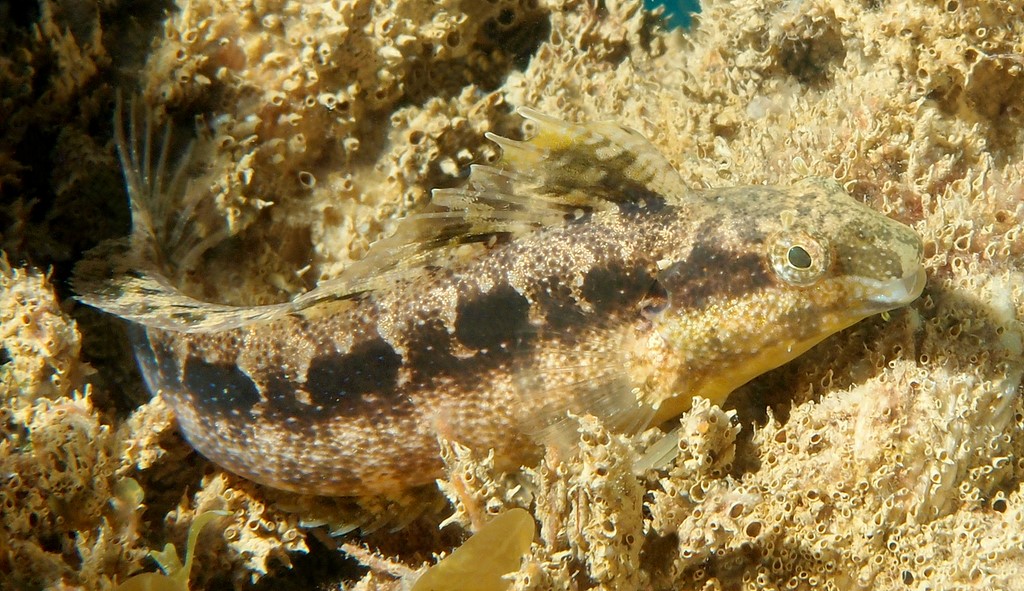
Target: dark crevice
811, 59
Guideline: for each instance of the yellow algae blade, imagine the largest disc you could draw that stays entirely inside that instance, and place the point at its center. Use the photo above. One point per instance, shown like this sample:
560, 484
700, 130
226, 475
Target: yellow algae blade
480, 563
175, 575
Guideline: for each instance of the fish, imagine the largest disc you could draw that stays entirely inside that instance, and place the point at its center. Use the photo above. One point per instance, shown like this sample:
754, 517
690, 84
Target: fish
578, 274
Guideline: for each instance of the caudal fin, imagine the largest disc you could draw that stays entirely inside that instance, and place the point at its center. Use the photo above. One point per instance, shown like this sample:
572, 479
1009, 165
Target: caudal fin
133, 277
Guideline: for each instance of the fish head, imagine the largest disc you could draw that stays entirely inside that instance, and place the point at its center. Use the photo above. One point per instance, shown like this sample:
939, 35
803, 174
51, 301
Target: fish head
848, 260
772, 272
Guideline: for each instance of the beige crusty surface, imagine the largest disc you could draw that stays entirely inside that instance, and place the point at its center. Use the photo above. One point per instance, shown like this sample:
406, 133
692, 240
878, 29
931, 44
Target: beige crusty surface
889, 456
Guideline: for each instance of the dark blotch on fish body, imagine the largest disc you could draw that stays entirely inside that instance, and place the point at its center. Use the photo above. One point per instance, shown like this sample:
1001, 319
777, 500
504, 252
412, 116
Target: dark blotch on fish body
219, 388
711, 271
558, 305
616, 288
339, 380
492, 320
429, 353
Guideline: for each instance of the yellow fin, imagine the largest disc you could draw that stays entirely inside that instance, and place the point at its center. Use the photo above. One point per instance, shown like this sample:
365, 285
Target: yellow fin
591, 163
564, 172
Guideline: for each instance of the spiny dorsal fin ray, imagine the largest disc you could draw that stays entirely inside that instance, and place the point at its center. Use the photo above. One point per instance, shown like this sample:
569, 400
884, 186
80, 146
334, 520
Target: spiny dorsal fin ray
563, 172
166, 230
133, 278
109, 278
593, 162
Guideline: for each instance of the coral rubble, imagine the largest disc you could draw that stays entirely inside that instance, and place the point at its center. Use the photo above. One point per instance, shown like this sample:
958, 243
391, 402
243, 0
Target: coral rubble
890, 456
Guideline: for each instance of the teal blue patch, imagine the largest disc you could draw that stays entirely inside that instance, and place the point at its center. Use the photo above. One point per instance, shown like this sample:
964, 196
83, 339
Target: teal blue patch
677, 12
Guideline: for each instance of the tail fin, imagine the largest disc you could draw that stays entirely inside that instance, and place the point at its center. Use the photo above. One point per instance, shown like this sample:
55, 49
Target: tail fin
132, 278
163, 207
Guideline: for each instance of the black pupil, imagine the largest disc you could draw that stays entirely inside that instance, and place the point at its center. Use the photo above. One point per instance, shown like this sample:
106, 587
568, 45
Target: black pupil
799, 258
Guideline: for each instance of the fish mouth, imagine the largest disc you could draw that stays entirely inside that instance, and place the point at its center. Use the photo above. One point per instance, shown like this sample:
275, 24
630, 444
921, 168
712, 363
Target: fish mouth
886, 295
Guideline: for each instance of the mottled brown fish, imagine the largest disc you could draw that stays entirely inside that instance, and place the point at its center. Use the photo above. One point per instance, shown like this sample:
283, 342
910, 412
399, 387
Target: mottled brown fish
600, 284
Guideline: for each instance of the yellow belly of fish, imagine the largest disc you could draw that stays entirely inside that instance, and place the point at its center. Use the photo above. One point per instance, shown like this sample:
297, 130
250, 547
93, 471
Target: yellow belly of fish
717, 387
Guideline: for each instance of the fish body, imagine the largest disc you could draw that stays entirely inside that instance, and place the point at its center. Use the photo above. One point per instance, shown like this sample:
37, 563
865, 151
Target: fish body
597, 283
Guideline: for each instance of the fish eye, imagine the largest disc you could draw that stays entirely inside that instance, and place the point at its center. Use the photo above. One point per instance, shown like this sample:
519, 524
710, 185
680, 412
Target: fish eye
799, 258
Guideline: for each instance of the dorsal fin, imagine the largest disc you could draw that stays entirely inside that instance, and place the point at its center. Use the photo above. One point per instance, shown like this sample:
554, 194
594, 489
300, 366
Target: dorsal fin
562, 173
590, 163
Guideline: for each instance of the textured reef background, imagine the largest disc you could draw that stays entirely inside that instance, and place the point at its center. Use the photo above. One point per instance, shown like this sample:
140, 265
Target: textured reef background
889, 457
